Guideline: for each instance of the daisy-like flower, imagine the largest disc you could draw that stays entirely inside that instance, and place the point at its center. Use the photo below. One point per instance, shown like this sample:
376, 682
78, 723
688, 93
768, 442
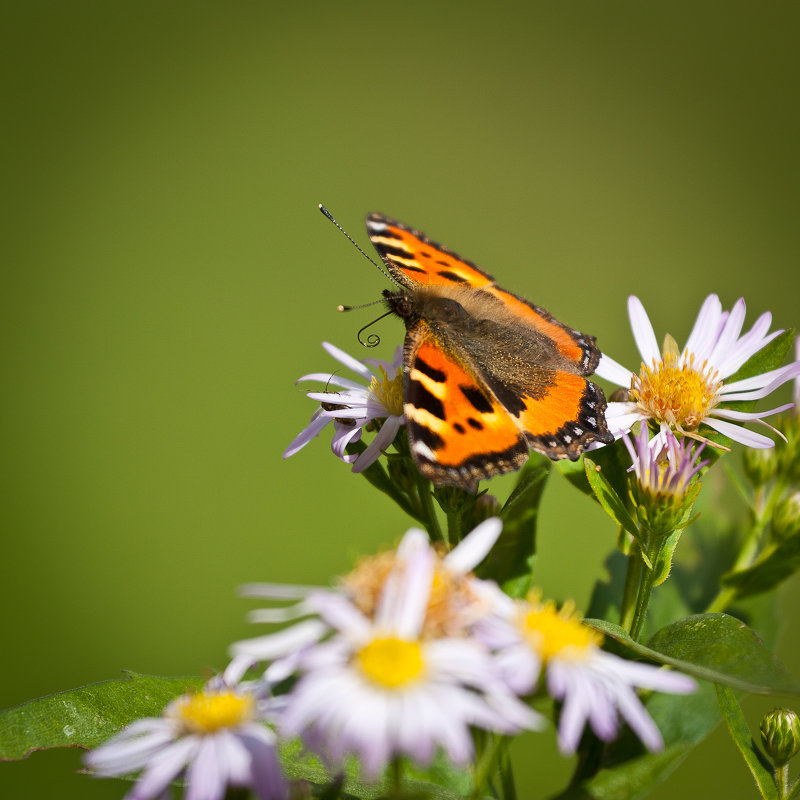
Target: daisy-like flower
356, 406
680, 390
456, 599
664, 467
379, 688
594, 686
215, 738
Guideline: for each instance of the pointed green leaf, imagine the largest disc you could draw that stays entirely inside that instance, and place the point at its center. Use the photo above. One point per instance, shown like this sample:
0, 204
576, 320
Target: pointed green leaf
87, 716
663, 561
714, 647
608, 498
740, 733
773, 567
511, 560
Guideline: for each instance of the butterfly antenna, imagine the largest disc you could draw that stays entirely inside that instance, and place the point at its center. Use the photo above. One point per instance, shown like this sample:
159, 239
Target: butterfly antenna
373, 340
357, 247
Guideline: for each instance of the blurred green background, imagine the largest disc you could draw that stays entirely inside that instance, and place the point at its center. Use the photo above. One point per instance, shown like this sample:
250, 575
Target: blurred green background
166, 277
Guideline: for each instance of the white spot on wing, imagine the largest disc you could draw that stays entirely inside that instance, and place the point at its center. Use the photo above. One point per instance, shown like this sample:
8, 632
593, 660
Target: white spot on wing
420, 448
376, 226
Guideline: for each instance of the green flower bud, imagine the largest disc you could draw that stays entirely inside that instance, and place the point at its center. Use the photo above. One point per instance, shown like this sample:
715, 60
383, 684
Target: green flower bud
452, 499
780, 734
760, 465
786, 517
487, 505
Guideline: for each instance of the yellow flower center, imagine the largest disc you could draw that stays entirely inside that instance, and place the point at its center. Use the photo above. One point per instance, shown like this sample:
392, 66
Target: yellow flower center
391, 662
681, 396
558, 633
388, 391
208, 711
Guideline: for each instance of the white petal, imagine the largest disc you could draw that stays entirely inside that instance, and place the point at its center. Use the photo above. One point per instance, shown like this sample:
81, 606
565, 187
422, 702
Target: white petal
318, 422
348, 360
768, 381
468, 553
206, 777
382, 440
164, 767
643, 333
333, 380
610, 370
739, 434
271, 646
705, 328
276, 591
729, 413
621, 417
729, 334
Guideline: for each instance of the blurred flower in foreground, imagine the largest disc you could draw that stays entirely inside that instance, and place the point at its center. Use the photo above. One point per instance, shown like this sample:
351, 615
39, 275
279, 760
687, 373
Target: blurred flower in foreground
389, 680
354, 408
664, 470
680, 390
217, 737
594, 686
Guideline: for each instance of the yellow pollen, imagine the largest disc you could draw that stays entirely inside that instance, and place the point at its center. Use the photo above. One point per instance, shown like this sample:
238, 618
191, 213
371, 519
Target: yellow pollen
207, 712
391, 662
388, 391
552, 632
681, 396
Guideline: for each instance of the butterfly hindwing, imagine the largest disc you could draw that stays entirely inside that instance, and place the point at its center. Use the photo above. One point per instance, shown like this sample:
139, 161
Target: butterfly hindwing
458, 432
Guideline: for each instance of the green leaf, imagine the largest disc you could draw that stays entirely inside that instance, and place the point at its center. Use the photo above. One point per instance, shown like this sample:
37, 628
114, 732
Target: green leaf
714, 647
511, 560
740, 732
608, 498
774, 566
87, 716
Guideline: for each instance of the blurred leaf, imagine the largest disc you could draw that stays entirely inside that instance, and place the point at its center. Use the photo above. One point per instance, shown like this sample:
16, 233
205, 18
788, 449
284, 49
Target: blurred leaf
607, 594
87, 716
511, 560
608, 498
740, 733
713, 647
773, 567
613, 459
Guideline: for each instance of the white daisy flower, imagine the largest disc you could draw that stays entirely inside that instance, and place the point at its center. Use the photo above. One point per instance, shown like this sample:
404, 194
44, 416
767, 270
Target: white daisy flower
214, 738
356, 406
594, 686
379, 689
456, 599
681, 390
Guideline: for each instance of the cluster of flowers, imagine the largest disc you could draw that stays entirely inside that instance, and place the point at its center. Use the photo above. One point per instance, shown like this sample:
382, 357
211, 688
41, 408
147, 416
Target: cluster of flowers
406, 656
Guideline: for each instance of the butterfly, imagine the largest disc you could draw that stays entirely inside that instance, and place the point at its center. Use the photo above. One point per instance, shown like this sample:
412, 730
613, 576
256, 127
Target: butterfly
487, 376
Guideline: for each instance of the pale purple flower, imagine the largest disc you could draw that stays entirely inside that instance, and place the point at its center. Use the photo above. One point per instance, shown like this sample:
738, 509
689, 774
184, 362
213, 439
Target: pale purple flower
356, 406
594, 686
680, 390
663, 465
214, 739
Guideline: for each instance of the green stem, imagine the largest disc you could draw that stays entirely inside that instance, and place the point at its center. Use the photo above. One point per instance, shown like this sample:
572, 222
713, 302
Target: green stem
455, 526
431, 520
507, 787
762, 512
487, 763
633, 579
590, 759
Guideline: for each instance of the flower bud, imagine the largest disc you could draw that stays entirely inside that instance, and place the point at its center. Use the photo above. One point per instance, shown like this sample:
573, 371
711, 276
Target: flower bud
487, 505
759, 464
780, 735
786, 517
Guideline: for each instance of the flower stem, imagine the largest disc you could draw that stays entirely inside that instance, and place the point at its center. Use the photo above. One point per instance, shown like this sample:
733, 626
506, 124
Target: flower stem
782, 780
487, 763
431, 521
633, 579
508, 791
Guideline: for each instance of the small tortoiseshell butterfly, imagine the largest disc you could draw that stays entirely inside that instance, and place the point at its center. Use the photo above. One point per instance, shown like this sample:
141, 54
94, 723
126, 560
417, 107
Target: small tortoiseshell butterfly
486, 374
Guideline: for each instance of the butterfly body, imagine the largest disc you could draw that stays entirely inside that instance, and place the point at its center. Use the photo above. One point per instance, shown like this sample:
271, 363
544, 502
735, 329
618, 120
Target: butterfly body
486, 375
